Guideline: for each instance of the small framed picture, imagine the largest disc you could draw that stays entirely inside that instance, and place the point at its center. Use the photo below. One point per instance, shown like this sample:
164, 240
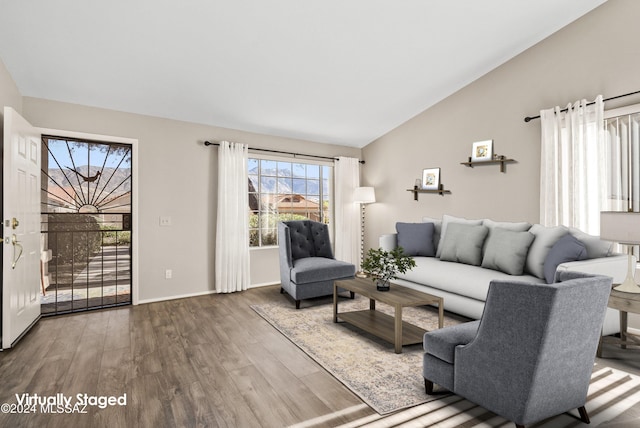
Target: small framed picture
431, 179
482, 151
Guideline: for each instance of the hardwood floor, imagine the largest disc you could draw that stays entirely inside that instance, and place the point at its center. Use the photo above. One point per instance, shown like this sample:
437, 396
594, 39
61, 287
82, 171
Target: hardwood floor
207, 361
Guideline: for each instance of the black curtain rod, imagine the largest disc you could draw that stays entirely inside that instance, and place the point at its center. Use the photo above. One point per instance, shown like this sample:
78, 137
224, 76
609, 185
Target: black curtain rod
530, 118
208, 143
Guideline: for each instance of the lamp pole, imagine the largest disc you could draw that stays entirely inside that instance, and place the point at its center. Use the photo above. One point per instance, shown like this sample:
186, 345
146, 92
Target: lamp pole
363, 196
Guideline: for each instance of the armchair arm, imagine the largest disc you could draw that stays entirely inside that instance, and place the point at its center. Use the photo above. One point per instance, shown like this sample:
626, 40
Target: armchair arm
284, 245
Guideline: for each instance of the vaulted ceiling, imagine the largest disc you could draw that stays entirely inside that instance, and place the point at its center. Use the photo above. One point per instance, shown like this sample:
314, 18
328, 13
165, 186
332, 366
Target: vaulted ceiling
332, 71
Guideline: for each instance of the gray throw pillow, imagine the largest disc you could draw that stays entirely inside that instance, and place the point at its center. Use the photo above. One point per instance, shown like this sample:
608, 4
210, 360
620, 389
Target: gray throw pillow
449, 219
545, 238
567, 249
595, 246
416, 239
463, 243
506, 250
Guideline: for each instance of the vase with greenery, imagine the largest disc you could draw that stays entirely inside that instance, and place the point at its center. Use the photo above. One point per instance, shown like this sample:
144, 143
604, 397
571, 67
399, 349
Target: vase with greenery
384, 266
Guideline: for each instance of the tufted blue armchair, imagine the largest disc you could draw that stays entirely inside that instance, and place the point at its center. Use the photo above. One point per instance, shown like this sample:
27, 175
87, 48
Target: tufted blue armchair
307, 265
531, 354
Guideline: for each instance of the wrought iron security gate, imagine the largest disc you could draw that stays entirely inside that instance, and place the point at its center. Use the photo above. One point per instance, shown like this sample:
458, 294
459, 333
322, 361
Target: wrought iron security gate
86, 225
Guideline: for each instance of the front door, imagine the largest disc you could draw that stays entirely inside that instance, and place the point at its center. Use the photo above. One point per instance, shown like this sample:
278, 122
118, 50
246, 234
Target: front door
21, 228
86, 224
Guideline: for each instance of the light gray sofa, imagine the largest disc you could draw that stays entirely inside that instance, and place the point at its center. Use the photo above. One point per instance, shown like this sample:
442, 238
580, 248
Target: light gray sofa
481, 250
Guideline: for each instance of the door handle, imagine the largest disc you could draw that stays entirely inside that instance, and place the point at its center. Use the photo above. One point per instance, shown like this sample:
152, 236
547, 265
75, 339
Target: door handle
15, 243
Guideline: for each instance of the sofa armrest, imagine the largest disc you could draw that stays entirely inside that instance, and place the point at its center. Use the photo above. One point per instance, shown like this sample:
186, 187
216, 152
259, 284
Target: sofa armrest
388, 242
613, 266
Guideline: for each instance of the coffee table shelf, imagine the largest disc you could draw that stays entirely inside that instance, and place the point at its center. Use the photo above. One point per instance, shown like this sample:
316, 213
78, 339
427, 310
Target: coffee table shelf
386, 327
383, 326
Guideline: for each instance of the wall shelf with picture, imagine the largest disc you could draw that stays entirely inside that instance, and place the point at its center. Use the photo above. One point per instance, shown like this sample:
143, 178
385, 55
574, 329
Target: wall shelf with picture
482, 154
430, 183
501, 162
441, 191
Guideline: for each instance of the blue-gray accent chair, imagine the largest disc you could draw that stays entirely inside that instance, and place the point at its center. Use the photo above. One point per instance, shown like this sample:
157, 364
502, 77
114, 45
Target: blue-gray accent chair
531, 354
307, 266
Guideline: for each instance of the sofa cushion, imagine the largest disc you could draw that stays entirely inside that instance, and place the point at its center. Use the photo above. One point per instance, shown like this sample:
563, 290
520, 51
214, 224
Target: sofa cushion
545, 237
567, 249
506, 250
515, 226
446, 220
595, 246
463, 243
442, 343
458, 278
437, 223
314, 269
416, 239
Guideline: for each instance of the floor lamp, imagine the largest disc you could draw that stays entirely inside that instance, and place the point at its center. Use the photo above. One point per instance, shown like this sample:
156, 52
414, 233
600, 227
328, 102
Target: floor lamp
363, 196
622, 227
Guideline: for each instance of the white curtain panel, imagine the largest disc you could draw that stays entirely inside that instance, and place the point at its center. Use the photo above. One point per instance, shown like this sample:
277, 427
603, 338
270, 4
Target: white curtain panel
622, 139
573, 185
232, 229
346, 240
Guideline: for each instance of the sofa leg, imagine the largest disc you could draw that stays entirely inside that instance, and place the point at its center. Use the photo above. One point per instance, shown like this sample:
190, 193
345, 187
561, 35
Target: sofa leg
352, 294
297, 304
584, 416
519, 426
281, 290
428, 386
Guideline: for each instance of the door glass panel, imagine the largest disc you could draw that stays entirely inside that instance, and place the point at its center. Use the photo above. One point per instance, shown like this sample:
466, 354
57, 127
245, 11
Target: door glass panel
86, 225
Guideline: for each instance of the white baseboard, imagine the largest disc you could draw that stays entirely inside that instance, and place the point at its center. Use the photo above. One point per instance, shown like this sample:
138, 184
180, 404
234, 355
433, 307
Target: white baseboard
264, 284
201, 293
181, 296
633, 331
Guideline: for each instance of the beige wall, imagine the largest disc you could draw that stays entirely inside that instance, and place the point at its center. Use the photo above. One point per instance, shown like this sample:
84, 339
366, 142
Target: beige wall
178, 179
598, 54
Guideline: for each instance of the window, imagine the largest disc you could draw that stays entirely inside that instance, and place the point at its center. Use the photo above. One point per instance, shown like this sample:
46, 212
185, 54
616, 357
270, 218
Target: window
281, 190
622, 139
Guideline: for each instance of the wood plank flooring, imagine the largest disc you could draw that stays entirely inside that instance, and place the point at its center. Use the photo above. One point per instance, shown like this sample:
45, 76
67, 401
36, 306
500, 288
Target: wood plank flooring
207, 361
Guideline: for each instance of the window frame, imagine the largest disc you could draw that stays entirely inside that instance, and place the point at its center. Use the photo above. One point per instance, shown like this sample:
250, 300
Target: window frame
291, 160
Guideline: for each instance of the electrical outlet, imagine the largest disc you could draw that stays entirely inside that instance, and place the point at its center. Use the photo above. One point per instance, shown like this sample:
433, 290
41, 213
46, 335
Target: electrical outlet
165, 220
168, 274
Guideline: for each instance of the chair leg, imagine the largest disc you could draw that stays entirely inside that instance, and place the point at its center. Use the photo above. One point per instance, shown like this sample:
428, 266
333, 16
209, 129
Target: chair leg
584, 416
428, 386
297, 304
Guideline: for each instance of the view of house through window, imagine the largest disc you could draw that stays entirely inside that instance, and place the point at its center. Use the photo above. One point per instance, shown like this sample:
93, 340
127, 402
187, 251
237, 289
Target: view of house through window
283, 190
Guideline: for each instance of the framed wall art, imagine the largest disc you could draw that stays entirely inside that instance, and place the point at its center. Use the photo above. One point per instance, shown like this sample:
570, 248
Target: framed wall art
482, 151
431, 179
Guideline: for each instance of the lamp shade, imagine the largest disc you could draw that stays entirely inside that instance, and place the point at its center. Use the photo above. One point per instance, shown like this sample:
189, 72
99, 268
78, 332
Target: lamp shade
364, 195
620, 226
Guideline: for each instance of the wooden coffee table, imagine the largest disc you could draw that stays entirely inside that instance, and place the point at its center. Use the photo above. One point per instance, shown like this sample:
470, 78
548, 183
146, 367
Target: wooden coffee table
390, 328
